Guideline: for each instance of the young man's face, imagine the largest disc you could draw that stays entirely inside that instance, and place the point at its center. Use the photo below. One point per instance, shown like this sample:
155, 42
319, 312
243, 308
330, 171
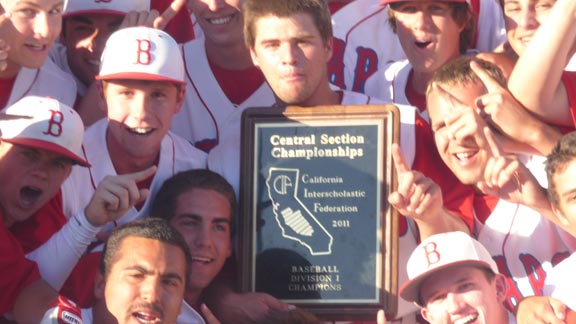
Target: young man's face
203, 218
291, 54
84, 37
146, 283
564, 181
30, 178
522, 18
220, 20
32, 30
468, 157
139, 114
428, 34
463, 295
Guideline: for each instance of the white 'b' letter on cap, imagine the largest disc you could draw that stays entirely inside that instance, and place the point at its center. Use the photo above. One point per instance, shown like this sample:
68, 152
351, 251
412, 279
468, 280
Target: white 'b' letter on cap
142, 53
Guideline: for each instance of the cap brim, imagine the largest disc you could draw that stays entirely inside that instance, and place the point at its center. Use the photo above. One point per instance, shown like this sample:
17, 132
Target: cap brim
48, 146
137, 76
410, 290
4, 116
94, 12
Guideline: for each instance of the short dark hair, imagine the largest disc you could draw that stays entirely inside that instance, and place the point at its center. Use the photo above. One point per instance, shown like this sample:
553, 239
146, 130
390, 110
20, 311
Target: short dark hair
462, 15
166, 200
150, 228
562, 154
458, 71
256, 9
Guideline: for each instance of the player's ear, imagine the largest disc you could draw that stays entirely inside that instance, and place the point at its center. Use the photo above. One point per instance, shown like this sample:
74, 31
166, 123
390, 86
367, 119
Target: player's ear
180, 95
560, 215
99, 285
101, 88
501, 287
426, 314
254, 56
329, 48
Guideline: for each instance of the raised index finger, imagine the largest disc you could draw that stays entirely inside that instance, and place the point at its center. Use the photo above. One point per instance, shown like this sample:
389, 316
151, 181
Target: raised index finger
169, 13
492, 144
491, 85
453, 102
399, 161
141, 175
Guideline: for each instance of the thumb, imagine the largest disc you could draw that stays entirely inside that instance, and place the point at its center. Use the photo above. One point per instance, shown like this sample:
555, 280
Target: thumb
489, 82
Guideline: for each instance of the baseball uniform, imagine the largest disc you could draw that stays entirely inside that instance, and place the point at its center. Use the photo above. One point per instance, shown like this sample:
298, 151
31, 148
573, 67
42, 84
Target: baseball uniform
364, 42
207, 115
569, 80
560, 283
47, 81
415, 137
16, 272
524, 244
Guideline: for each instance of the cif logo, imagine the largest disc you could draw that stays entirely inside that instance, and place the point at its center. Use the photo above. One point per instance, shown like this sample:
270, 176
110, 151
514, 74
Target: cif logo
281, 184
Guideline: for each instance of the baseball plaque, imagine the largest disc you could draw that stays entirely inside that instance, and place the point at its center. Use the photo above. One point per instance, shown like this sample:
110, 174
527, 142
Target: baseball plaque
316, 229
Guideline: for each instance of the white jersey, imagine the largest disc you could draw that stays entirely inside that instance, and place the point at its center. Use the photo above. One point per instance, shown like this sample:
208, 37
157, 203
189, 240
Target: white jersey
176, 155
560, 283
207, 115
58, 55
189, 315
47, 81
525, 246
364, 42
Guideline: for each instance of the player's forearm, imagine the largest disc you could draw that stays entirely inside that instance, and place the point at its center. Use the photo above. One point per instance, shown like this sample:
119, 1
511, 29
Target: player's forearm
57, 257
536, 78
445, 221
33, 302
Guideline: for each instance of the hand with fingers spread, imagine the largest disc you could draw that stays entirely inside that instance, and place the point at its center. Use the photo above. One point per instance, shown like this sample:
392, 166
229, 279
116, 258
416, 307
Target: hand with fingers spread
502, 111
115, 195
540, 309
153, 18
463, 122
417, 196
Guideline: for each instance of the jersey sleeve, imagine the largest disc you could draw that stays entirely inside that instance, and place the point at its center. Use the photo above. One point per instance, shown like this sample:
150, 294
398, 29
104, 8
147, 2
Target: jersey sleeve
16, 272
458, 198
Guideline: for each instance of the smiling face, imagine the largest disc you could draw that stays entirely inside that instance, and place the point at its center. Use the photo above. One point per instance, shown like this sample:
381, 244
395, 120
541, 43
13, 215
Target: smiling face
464, 295
522, 18
139, 114
467, 159
146, 283
220, 20
564, 183
292, 55
428, 33
84, 37
30, 178
30, 32
203, 218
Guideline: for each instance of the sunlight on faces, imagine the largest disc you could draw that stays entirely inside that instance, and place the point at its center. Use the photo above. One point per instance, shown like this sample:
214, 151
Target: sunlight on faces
220, 20
463, 294
565, 184
466, 158
139, 114
33, 28
30, 178
203, 218
428, 34
291, 54
146, 282
84, 37
522, 18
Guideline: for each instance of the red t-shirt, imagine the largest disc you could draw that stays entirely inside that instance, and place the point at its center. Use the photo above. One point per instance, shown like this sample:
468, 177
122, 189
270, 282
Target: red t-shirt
416, 99
16, 272
238, 85
569, 80
484, 206
6, 86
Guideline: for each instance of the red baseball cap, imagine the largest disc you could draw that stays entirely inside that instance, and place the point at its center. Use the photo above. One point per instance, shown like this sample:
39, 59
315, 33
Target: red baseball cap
385, 2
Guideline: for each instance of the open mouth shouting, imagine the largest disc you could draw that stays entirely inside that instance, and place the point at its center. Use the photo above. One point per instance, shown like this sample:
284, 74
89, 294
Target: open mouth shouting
29, 195
423, 45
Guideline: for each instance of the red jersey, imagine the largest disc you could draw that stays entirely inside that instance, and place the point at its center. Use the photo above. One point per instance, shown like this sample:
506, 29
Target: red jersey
16, 272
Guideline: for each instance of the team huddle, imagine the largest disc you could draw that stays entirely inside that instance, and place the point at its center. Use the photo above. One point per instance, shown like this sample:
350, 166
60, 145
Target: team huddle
120, 128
